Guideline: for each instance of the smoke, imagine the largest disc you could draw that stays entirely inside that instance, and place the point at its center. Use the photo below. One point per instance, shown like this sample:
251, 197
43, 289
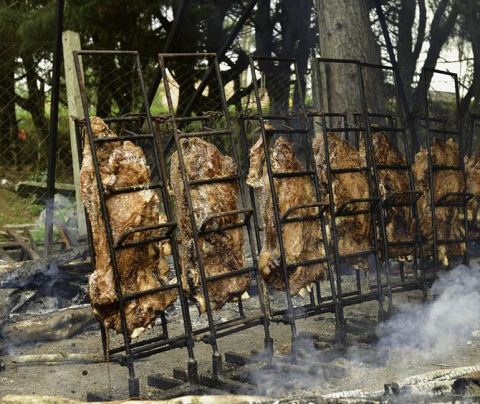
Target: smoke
416, 336
290, 374
441, 325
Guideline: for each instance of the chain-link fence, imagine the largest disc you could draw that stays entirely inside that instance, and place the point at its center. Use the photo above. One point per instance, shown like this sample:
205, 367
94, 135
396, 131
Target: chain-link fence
25, 88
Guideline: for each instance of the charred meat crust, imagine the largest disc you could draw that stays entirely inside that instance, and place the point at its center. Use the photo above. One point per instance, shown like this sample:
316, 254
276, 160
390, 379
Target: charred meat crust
302, 240
123, 164
222, 251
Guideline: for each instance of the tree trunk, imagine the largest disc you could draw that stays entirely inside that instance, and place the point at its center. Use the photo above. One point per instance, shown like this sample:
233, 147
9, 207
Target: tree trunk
345, 33
439, 33
8, 120
470, 10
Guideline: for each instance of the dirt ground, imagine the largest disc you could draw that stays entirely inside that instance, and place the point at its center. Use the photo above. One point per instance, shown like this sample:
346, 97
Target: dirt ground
367, 372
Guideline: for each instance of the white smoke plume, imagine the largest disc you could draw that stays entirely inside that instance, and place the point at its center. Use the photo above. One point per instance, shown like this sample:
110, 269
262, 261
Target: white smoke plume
442, 325
418, 334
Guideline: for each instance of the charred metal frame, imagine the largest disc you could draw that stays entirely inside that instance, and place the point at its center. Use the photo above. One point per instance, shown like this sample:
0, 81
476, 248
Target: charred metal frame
291, 313
217, 330
161, 343
375, 209
53, 129
460, 199
416, 244
473, 121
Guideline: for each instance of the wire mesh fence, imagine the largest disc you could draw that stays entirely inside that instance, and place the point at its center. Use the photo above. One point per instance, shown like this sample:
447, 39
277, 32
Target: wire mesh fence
25, 86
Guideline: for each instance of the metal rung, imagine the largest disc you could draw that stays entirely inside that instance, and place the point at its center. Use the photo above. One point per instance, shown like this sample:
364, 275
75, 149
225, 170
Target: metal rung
136, 295
205, 134
459, 241
225, 228
231, 274
463, 196
393, 167
180, 374
339, 130
293, 174
147, 240
348, 170
390, 200
373, 201
287, 131
444, 132
403, 243
191, 118
122, 138
302, 219
323, 207
247, 212
215, 180
306, 263
236, 359
357, 254
127, 190
375, 129
162, 382
440, 167
168, 225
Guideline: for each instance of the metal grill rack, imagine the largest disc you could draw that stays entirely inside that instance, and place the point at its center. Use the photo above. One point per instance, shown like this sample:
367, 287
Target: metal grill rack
456, 200
162, 342
396, 129
374, 206
471, 146
216, 330
293, 124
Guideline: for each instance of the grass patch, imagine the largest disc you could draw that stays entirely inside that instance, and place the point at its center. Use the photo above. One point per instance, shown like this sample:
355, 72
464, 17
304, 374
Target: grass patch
17, 210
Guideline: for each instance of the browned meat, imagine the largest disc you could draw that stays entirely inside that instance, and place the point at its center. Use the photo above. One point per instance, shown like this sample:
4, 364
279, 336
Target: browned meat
141, 268
472, 169
448, 221
302, 240
353, 232
398, 220
221, 252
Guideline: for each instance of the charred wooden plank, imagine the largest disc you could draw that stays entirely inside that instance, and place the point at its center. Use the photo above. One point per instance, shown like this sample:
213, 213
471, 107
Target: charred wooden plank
19, 276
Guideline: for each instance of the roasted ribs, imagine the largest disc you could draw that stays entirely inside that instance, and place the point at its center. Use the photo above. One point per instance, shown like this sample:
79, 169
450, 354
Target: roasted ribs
222, 251
123, 164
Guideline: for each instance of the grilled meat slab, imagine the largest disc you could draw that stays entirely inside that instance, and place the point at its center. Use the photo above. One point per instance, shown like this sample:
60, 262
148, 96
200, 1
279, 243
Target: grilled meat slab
222, 252
472, 170
353, 232
140, 268
302, 240
398, 219
448, 219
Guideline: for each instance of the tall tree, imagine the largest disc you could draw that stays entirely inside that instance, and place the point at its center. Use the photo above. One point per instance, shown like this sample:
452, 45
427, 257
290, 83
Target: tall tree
470, 11
407, 21
345, 33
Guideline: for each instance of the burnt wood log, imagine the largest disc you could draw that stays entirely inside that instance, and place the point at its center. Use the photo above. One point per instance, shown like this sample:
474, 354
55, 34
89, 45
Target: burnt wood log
4, 256
8, 300
19, 276
28, 249
53, 326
